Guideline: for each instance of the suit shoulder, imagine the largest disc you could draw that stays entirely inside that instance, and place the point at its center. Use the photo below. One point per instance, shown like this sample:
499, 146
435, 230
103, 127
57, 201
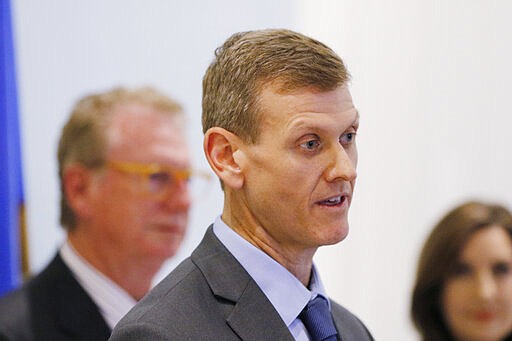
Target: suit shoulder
163, 294
15, 315
16, 308
180, 305
349, 325
50, 304
13, 305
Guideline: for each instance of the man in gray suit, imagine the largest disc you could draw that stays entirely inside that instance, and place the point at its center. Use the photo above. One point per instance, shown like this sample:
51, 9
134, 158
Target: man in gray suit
280, 129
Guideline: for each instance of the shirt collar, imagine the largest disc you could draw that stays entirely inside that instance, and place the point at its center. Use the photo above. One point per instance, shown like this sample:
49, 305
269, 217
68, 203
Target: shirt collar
282, 288
112, 301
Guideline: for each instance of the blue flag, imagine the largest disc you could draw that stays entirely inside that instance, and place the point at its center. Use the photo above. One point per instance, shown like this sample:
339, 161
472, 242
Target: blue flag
11, 184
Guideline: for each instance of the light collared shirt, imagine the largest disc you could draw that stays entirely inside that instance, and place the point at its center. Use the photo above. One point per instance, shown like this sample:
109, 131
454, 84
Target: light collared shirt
286, 293
113, 302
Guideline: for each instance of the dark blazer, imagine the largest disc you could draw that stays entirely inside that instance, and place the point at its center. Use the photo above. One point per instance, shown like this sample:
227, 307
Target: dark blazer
52, 306
210, 296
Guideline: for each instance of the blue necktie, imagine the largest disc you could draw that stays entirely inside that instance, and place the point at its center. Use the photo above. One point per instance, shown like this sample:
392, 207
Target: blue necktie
318, 320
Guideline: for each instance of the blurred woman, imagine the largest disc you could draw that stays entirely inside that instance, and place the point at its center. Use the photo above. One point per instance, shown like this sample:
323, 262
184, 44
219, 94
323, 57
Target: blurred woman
463, 288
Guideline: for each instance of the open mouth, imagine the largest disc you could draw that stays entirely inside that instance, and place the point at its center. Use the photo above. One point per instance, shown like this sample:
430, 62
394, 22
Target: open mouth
334, 201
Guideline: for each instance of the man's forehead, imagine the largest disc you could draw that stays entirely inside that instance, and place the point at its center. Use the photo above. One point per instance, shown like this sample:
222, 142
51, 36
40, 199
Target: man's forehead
133, 127
308, 98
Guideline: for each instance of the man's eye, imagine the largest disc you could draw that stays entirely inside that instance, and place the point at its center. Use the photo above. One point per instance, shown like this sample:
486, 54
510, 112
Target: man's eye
159, 180
347, 138
310, 145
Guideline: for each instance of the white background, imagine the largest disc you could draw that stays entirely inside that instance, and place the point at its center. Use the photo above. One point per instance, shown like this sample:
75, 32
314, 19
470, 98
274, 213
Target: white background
431, 80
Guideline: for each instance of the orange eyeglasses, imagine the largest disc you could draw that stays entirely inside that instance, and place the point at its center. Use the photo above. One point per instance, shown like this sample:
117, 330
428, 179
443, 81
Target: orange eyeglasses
159, 178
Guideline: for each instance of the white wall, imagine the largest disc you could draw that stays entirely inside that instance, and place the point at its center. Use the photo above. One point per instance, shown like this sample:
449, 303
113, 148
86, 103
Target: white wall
66, 49
430, 79
432, 82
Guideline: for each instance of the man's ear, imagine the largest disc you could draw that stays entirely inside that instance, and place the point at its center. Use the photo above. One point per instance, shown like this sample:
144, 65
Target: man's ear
77, 182
221, 149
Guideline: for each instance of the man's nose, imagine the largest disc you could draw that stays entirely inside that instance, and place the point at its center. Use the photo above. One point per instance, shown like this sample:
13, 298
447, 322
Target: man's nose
342, 166
178, 195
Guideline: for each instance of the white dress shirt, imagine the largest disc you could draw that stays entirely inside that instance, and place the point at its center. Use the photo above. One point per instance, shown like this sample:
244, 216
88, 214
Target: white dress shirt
113, 302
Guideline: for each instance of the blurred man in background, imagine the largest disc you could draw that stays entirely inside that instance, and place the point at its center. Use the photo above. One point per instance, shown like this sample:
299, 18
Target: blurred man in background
124, 168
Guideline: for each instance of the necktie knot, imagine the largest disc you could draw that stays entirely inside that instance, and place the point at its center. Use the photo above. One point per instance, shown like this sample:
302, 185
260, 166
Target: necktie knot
318, 320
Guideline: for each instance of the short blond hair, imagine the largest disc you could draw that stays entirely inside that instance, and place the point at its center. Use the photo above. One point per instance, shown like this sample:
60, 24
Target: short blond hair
84, 137
248, 61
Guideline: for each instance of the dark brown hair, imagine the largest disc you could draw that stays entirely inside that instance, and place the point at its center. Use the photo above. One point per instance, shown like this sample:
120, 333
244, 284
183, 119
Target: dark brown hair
438, 257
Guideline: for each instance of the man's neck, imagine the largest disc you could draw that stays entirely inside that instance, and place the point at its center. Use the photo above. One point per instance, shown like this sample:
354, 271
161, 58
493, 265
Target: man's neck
297, 261
133, 275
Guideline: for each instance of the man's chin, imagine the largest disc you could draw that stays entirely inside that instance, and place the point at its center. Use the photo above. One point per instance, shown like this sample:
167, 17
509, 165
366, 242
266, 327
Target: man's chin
340, 233
163, 248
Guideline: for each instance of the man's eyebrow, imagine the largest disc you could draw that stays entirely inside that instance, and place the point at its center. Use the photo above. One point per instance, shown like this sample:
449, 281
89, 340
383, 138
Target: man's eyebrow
356, 119
355, 122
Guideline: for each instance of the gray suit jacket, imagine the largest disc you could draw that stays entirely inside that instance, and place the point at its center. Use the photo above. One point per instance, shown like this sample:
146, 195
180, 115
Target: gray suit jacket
210, 296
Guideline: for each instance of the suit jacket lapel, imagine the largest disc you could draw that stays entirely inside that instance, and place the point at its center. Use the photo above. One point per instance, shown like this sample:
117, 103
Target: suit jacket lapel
77, 314
253, 317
